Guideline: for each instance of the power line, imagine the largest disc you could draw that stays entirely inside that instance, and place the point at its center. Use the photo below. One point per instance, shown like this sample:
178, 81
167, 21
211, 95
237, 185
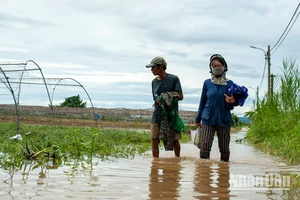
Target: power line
262, 79
286, 34
287, 26
268, 53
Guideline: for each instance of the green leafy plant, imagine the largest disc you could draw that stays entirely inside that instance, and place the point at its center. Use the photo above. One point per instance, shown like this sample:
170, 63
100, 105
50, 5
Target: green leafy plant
275, 124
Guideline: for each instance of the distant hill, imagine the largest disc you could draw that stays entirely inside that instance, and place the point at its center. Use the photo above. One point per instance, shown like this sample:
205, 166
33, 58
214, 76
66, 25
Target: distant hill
100, 113
244, 120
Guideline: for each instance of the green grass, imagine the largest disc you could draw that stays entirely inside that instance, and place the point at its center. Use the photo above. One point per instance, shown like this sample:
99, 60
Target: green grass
275, 124
44, 141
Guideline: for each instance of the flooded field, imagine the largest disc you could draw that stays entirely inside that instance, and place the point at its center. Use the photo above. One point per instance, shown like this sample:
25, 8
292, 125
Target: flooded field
250, 174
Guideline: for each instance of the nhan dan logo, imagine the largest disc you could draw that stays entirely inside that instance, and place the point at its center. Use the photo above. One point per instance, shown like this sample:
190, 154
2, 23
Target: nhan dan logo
259, 182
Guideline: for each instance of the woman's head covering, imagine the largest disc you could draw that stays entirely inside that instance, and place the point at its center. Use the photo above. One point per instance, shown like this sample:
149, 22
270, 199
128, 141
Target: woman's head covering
219, 80
220, 58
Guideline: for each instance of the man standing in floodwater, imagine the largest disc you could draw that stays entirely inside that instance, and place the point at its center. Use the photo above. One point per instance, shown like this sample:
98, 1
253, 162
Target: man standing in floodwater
163, 83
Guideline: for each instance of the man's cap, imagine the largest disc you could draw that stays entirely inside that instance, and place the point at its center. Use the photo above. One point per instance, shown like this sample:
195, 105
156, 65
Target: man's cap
158, 60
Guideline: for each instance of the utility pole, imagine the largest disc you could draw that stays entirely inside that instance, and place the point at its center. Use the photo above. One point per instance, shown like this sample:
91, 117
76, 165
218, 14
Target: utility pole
269, 69
268, 59
257, 97
272, 84
256, 100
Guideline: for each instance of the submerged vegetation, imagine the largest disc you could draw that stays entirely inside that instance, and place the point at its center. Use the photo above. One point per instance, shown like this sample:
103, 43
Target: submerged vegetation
44, 142
275, 124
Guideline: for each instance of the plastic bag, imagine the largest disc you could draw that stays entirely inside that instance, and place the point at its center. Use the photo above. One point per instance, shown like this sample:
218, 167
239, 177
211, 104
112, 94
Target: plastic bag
177, 123
195, 136
16, 137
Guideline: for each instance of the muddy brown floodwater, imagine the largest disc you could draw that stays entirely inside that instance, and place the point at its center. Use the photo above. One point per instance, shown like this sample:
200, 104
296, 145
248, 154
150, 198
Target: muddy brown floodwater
250, 174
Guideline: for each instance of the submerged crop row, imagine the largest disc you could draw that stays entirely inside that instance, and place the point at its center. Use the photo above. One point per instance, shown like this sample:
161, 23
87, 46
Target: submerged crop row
44, 142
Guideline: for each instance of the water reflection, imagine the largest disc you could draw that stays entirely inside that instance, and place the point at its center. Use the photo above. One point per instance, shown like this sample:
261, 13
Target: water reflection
164, 178
211, 180
187, 177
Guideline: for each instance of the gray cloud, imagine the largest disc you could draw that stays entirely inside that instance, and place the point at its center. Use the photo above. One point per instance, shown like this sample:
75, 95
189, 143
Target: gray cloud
114, 40
10, 19
179, 54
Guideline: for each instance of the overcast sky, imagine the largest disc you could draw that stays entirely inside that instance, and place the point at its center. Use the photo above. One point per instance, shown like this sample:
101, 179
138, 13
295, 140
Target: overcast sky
105, 45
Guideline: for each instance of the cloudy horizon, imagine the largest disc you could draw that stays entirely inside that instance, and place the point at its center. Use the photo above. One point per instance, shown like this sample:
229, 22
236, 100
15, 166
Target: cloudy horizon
105, 45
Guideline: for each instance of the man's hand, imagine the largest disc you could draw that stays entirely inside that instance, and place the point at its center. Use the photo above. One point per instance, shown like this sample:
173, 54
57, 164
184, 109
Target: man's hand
158, 102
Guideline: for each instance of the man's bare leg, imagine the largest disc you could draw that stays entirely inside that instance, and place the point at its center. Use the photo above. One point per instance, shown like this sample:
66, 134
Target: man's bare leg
155, 149
177, 148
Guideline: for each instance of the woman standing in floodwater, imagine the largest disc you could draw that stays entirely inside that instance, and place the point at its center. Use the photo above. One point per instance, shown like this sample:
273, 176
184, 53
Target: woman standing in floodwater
214, 109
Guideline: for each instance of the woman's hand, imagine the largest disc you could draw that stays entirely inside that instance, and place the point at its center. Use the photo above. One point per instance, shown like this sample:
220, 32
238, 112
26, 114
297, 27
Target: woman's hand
197, 125
229, 99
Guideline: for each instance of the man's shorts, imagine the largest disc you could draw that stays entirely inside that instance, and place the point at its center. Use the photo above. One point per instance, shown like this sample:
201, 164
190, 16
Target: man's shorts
155, 129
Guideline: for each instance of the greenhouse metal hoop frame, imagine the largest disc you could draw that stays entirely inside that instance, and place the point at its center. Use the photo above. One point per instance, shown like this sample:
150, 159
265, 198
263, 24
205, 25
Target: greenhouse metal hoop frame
7, 83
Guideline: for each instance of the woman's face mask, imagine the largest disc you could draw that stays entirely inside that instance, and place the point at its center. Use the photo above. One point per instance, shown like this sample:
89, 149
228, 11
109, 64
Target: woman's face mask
218, 71
217, 68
